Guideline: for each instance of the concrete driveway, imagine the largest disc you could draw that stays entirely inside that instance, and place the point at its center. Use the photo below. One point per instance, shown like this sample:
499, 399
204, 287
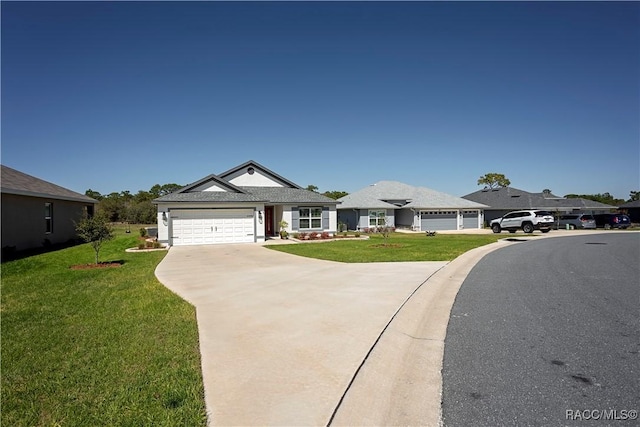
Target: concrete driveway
282, 336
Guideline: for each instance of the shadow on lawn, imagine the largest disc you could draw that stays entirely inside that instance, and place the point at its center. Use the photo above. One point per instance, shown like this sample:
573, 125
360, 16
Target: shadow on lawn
9, 253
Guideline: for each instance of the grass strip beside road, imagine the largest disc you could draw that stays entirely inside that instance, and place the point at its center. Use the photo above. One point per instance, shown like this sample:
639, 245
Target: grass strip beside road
400, 247
97, 347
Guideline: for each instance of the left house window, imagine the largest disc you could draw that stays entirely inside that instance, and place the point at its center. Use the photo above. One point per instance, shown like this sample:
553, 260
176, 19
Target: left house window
377, 218
48, 217
310, 218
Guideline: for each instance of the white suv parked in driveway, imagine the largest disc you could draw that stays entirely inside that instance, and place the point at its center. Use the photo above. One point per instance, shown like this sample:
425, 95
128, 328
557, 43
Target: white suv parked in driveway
525, 220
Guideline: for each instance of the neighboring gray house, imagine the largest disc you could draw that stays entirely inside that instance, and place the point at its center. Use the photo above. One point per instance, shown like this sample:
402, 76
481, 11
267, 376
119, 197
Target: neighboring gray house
37, 213
242, 205
405, 206
632, 209
506, 199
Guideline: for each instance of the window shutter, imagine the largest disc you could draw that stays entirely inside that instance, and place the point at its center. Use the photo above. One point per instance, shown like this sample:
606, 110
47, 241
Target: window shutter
325, 218
295, 218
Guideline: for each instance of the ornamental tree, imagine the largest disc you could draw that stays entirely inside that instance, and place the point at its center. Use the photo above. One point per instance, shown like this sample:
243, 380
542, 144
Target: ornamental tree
95, 230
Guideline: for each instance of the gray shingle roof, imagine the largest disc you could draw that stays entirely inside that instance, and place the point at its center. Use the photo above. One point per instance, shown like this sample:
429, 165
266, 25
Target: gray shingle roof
509, 198
209, 196
250, 194
16, 182
288, 195
631, 204
385, 194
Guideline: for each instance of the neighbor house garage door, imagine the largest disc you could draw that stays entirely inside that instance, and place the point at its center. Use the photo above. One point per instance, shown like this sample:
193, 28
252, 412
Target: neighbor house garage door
438, 220
470, 219
207, 227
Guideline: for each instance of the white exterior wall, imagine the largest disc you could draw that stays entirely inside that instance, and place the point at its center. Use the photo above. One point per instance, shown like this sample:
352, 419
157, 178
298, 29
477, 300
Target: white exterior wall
288, 217
163, 228
260, 226
164, 231
333, 219
257, 179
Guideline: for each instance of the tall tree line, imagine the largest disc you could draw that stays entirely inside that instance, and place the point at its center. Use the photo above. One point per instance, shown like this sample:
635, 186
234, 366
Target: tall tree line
133, 208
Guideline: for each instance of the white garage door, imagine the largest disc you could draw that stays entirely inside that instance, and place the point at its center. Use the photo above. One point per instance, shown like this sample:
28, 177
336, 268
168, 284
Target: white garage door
208, 227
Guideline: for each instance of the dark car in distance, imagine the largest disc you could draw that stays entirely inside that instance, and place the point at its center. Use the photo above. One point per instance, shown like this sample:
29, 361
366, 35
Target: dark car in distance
576, 221
609, 221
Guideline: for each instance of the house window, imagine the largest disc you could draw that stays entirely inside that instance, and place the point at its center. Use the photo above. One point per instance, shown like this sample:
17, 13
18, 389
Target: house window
310, 218
48, 218
377, 218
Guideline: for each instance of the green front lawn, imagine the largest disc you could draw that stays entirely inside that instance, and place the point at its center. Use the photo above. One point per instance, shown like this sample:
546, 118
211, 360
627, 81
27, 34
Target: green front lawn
97, 347
400, 247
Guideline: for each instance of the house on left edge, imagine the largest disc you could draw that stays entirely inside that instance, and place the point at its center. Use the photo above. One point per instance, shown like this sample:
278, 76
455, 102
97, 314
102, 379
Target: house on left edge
245, 204
37, 213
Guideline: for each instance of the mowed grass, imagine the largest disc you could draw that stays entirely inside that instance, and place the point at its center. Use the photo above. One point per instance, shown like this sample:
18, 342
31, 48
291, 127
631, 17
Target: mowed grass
400, 247
108, 347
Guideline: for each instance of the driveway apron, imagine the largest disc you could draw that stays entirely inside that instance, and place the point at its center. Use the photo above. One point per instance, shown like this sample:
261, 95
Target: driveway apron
281, 336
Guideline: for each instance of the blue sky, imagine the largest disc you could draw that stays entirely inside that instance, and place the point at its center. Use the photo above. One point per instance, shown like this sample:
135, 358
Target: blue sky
124, 95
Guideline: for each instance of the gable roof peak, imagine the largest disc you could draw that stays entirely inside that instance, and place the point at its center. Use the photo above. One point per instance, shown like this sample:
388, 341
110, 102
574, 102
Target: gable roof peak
213, 179
257, 166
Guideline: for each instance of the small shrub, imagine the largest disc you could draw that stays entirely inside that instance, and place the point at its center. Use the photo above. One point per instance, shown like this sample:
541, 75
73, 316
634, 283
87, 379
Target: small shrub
143, 232
313, 235
302, 236
157, 245
141, 246
357, 235
150, 245
325, 235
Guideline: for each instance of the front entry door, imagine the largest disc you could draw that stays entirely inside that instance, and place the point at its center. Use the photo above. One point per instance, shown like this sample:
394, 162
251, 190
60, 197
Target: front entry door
268, 221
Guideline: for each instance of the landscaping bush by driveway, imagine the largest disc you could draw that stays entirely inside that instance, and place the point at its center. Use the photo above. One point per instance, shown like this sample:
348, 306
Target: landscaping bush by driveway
108, 346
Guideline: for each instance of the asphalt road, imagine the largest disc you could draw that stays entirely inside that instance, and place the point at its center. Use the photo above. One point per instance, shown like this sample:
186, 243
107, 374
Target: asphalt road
547, 333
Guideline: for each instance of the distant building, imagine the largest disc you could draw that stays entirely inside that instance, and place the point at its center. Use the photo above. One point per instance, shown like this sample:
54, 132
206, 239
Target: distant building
37, 213
400, 205
632, 209
506, 199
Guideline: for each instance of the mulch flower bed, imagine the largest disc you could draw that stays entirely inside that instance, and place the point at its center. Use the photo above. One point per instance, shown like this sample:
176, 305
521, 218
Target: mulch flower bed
94, 266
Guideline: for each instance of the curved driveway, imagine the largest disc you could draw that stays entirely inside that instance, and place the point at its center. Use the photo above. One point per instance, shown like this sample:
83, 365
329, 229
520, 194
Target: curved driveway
281, 336
287, 340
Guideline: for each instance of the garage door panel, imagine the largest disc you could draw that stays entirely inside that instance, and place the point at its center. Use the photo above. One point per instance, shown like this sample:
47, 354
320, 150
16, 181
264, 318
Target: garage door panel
437, 221
470, 219
199, 227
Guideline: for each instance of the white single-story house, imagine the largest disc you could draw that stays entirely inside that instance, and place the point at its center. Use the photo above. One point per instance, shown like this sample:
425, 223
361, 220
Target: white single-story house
245, 204
503, 200
405, 206
37, 213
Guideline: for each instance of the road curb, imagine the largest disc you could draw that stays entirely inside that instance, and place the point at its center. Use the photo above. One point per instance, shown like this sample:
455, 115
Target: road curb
400, 382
